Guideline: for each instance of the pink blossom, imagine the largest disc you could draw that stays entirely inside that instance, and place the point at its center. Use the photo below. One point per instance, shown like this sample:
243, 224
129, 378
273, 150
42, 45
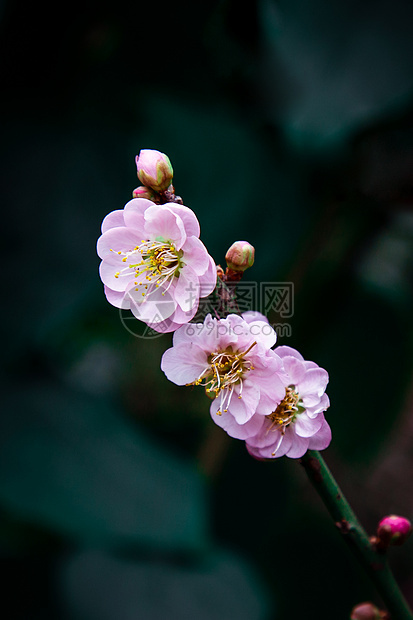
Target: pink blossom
297, 422
154, 263
233, 360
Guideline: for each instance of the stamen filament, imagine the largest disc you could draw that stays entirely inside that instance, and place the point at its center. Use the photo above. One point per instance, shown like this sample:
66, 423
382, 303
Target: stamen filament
157, 260
225, 369
285, 412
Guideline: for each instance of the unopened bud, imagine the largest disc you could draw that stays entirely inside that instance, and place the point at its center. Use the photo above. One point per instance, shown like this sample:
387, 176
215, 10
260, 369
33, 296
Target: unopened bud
240, 256
366, 611
394, 530
154, 169
143, 192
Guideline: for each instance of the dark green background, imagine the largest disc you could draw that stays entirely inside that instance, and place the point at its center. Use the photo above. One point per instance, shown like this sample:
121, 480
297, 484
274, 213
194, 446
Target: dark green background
289, 124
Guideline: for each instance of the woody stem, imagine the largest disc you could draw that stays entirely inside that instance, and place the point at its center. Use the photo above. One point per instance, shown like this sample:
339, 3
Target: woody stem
373, 561
227, 299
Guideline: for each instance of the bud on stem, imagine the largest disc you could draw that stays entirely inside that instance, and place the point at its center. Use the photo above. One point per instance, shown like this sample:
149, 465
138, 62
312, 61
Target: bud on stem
368, 611
144, 192
240, 256
392, 530
154, 169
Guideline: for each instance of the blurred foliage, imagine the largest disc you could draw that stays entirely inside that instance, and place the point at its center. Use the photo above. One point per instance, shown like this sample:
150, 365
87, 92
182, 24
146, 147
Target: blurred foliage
289, 124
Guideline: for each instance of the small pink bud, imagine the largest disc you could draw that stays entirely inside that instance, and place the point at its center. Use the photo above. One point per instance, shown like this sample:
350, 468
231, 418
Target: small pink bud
143, 192
154, 169
394, 530
240, 256
366, 611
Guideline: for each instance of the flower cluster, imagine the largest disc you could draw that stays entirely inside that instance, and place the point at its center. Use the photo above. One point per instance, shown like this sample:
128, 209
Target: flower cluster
271, 398
154, 264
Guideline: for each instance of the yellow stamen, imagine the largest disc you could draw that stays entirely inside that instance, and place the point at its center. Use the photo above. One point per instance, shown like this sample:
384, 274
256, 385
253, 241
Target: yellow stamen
286, 411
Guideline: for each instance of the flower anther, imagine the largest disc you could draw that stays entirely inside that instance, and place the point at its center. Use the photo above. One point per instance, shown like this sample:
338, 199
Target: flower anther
286, 411
158, 262
225, 370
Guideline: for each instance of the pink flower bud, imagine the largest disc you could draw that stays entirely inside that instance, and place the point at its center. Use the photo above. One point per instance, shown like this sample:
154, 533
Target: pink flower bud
394, 530
240, 256
143, 192
154, 169
366, 611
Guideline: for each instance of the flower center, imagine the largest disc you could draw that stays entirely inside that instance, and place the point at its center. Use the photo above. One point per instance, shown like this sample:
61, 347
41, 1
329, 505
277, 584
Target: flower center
285, 414
158, 262
286, 411
225, 370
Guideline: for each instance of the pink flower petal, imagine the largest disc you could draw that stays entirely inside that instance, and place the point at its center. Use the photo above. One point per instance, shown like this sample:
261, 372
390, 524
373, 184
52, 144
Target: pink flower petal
181, 317
305, 426
148, 160
276, 444
166, 326
283, 351
204, 334
107, 272
266, 361
269, 401
252, 315
185, 333
295, 369
322, 405
284, 446
208, 280
321, 440
308, 364
183, 364
188, 217
267, 364
311, 401
186, 290
152, 308
220, 334
196, 255
230, 425
299, 445
261, 331
134, 214
116, 239
314, 382
268, 435
254, 452
117, 298
270, 395
243, 407
113, 220
163, 225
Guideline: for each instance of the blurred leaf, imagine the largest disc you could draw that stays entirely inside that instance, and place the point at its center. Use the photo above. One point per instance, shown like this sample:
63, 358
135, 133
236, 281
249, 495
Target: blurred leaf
330, 68
71, 463
387, 266
98, 586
